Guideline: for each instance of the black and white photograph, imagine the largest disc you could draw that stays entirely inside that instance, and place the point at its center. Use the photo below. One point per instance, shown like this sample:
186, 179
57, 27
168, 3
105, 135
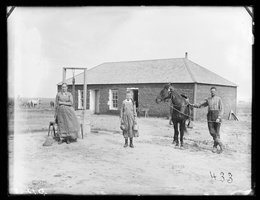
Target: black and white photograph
130, 100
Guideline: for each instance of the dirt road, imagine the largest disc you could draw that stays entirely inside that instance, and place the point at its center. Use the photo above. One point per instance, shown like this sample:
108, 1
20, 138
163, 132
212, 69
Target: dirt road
99, 164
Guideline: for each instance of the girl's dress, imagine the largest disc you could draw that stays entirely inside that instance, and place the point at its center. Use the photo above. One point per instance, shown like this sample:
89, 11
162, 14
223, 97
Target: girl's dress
128, 114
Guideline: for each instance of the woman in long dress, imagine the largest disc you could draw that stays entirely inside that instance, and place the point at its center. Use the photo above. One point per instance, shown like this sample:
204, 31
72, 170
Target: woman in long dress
68, 125
127, 116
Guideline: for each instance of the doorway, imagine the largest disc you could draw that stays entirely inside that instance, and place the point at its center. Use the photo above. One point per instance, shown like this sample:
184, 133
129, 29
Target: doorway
135, 97
97, 95
94, 101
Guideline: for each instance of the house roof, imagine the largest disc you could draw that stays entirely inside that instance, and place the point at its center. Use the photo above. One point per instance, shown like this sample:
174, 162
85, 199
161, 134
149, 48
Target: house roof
174, 70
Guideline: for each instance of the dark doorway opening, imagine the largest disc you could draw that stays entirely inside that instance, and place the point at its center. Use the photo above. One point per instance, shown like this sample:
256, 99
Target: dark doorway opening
97, 101
135, 97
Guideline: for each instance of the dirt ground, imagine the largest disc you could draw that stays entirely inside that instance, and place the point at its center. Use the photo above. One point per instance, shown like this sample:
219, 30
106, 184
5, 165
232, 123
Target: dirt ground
98, 164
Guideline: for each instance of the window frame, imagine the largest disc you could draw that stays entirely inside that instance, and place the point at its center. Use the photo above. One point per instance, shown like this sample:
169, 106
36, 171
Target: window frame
113, 101
82, 100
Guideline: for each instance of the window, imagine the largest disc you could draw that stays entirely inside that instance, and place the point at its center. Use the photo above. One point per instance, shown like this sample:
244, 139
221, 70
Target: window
113, 99
88, 95
80, 99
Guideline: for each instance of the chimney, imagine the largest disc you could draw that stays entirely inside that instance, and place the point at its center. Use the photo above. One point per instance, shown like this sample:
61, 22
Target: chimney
186, 55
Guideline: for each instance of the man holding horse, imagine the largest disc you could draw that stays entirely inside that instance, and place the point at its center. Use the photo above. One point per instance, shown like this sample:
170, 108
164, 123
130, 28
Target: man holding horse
215, 112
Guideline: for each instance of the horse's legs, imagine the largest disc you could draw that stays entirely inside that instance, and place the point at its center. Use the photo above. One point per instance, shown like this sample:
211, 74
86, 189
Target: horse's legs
49, 129
176, 134
182, 126
170, 120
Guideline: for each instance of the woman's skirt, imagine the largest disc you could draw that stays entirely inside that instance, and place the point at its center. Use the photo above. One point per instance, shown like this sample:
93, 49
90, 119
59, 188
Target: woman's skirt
68, 124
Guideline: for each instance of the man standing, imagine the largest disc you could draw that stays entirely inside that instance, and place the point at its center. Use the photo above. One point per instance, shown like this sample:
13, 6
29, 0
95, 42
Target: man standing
215, 112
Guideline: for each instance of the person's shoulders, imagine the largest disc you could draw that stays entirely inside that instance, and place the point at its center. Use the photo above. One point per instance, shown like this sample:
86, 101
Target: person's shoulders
69, 93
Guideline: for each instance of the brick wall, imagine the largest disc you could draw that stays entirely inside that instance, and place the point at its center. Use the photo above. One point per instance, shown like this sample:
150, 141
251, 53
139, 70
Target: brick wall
147, 94
228, 95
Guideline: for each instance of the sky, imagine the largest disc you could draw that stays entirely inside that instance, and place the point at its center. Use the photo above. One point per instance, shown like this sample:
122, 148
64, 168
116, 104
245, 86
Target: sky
43, 40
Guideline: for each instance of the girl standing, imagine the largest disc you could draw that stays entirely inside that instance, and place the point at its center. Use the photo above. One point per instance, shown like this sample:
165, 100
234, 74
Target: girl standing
127, 116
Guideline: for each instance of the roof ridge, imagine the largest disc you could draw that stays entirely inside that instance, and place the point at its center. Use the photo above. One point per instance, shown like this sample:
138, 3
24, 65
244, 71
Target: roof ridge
188, 69
120, 62
141, 60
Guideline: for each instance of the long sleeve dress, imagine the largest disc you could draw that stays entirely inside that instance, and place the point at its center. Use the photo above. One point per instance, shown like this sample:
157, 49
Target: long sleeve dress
68, 124
127, 115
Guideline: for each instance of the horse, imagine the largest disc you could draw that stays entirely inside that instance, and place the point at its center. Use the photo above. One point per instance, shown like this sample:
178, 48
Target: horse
179, 111
29, 104
33, 102
52, 104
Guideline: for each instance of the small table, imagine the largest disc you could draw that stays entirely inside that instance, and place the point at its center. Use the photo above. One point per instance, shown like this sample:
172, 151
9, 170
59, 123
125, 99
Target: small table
145, 111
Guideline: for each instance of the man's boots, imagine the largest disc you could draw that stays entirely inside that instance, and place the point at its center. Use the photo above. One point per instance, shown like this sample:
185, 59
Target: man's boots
220, 145
215, 149
131, 143
126, 142
68, 140
60, 141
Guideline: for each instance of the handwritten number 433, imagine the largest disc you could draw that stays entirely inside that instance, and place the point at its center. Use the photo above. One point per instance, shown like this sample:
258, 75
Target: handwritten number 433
39, 191
229, 179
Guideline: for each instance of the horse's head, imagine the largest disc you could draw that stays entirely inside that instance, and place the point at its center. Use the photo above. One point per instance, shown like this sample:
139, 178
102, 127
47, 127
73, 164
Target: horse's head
164, 94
